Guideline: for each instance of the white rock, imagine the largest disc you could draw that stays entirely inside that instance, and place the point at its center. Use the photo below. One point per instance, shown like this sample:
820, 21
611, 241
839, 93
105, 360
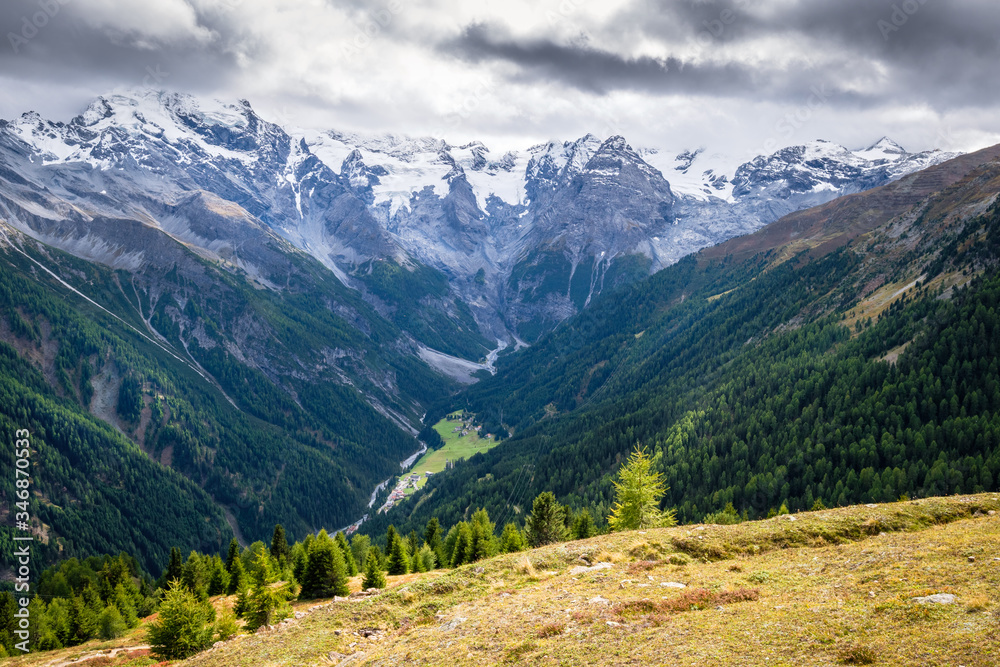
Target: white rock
672, 584
937, 598
583, 569
598, 600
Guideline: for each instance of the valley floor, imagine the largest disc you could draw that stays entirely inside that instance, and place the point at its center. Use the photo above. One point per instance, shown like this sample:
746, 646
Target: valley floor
821, 588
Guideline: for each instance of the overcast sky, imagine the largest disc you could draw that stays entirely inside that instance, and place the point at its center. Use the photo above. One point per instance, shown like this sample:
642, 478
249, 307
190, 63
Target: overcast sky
734, 75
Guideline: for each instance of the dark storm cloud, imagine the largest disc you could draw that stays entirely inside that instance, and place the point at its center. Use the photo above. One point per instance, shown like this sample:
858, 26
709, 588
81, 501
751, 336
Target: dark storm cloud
864, 52
596, 70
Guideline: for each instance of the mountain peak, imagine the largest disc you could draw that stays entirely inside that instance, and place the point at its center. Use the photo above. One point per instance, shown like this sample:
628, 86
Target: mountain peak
616, 143
886, 145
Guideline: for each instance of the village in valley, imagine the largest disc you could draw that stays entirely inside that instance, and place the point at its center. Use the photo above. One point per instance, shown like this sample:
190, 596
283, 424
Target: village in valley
462, 440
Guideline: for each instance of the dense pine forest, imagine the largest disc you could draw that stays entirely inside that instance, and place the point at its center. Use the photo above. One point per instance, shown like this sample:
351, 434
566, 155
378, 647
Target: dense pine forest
251, 447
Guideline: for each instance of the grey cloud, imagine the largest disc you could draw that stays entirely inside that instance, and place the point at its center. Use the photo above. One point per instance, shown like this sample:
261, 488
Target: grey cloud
66, 49
942, 52
590, 69
599, 71
866, 53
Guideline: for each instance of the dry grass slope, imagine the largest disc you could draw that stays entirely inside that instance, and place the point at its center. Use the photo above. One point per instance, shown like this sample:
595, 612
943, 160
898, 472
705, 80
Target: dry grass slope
822, 588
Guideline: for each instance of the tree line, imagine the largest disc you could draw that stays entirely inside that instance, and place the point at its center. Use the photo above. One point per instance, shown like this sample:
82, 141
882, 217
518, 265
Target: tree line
104, 597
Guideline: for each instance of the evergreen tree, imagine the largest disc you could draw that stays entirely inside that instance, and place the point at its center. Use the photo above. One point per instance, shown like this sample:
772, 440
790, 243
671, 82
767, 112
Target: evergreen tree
726, 517
325, 574
483, 530
125, 602
233, 555
583, 525
84, 613
110, 624
425, 560
546, 523
299, 558
373, 577
8, 607
448, 546
399, 562
251, 558
637, 495
265, 603
463, 545
237, 578
511, 540
42, 636
412, 544
391, 535
218, 579
195, 576
279, 545
175, 569
345, 550
433, 538
181, 628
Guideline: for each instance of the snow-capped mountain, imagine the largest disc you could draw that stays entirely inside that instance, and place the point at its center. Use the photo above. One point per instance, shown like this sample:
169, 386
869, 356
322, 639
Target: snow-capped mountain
521, 239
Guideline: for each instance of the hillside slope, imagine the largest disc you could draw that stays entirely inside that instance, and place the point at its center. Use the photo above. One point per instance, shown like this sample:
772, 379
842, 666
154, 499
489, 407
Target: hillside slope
820, 588
263, 404
824, 366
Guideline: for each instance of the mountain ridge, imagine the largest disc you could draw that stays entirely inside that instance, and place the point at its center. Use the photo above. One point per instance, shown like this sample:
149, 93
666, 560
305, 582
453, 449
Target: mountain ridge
347, 198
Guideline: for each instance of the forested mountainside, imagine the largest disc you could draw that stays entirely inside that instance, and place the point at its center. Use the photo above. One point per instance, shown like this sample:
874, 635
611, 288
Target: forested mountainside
844, 354
119, 402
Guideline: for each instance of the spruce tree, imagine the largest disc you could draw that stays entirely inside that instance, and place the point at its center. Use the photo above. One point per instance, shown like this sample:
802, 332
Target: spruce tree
300, 556
325, 574
374, 577
391, 535
233, 555
399, 562
434, 538
583, 525
264, 604
279, 545
175, 569
218, 580
359, 548
345, 550
424, 560
412, 544
546, 523
483, 530
110, 624
511, 540
195, 574
237, 578
463, 545
126, 605
181, 628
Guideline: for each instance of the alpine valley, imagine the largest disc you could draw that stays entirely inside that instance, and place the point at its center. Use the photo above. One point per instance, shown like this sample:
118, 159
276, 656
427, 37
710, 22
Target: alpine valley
212, 323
